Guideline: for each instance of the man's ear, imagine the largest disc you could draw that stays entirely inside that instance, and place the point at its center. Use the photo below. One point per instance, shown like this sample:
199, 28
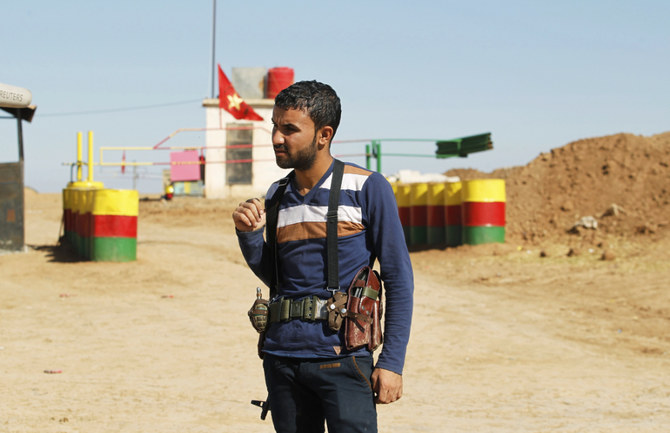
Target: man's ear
324, 136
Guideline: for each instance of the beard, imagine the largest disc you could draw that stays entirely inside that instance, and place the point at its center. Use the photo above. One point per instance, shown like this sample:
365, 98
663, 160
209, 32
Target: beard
302, 160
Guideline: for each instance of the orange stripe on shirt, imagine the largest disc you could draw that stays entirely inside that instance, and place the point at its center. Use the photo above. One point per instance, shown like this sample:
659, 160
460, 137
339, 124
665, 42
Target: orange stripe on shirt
350, 169
315, 230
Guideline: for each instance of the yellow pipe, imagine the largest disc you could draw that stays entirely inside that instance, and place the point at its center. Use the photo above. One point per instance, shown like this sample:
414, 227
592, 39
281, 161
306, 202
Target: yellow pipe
78, 156
90, 156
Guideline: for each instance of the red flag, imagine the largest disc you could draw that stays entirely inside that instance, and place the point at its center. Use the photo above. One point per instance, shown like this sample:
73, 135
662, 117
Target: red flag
230, 101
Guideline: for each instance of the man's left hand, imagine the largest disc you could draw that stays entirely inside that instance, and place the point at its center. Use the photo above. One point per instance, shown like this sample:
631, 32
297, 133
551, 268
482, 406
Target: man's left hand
386, 385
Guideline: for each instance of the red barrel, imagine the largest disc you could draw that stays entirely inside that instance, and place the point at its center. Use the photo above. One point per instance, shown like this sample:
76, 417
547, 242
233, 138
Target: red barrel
279, 78
452, 214
435, 219
402, 193
418, 214
483, 211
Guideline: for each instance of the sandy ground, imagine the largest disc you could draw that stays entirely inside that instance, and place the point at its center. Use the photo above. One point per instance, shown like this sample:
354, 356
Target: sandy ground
502, 341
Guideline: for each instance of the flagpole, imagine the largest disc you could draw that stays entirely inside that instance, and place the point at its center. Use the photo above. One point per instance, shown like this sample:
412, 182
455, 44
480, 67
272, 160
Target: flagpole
213, 42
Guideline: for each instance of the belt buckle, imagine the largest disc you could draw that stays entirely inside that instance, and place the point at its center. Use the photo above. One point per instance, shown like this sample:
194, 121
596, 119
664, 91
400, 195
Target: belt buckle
321, 309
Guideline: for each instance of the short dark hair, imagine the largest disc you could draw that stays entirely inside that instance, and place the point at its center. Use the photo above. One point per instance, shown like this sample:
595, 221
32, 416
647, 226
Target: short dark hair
319, 101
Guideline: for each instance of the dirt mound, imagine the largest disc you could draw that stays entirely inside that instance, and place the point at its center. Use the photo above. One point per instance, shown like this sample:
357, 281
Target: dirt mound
622, 181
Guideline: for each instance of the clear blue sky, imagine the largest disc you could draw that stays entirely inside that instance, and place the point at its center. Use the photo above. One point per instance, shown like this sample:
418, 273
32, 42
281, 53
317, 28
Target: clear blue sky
537, 74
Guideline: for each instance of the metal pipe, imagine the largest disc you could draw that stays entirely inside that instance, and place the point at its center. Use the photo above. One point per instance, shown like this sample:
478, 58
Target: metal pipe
213, 43
418, 155
79, 161
20, 131
90, 156
378, 151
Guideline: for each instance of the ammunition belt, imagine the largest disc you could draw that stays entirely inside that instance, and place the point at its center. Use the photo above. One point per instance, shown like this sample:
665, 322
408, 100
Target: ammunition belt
310, 308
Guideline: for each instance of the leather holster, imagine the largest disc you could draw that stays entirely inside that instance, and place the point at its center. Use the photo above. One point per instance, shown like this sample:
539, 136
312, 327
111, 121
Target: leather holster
362, 324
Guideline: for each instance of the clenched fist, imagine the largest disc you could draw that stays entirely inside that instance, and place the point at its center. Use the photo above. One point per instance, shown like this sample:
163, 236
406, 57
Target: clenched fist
249, 215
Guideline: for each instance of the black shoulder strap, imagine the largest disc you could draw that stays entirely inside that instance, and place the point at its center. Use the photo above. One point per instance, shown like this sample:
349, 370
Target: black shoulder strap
272, 215
331, 226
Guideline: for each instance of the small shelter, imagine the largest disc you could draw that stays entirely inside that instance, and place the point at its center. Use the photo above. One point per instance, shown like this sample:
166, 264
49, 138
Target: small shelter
16, 102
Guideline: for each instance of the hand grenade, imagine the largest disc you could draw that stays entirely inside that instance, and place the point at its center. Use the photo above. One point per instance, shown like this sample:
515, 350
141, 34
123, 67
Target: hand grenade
258, 314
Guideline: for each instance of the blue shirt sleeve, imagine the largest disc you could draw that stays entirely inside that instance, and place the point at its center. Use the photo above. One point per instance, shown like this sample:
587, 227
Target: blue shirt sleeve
255, 250
256, 253
388, 241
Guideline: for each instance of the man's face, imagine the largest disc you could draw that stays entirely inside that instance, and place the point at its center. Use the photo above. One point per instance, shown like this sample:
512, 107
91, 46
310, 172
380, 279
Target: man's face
293, 139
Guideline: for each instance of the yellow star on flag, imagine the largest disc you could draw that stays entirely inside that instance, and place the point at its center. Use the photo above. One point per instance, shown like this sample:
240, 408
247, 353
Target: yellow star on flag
234, 101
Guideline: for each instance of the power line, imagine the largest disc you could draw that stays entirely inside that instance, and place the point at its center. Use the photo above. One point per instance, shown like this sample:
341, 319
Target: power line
121, 109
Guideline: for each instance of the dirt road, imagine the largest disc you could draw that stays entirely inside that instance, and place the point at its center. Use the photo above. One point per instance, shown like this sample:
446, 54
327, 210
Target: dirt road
502, 340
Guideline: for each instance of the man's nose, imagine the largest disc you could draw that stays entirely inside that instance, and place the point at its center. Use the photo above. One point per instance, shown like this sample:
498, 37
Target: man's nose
277, 138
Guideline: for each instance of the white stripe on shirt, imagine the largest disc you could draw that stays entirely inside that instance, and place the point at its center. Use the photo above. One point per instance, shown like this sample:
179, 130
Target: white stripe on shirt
353, 182
306, 213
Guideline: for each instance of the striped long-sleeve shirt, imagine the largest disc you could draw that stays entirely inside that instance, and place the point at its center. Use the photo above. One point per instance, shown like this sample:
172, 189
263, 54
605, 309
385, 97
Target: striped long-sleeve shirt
368, 229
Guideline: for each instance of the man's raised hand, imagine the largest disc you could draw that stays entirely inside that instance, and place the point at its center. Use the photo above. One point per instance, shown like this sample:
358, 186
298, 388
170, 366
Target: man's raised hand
249, 215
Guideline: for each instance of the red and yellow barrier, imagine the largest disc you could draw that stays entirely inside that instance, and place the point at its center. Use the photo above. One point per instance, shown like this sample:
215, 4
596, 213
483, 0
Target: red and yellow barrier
452, 213
77, 202
483, 211
435, 214
114, 225
418, 214
402, 193
101, 224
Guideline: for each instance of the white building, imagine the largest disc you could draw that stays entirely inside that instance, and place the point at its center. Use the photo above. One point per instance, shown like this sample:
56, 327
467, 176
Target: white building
257, 168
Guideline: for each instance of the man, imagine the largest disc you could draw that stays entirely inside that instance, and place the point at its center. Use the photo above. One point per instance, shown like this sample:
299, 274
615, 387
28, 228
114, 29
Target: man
309, 373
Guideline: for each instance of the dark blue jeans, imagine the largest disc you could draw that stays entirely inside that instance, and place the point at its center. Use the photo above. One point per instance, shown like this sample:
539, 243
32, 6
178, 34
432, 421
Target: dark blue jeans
305, 392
